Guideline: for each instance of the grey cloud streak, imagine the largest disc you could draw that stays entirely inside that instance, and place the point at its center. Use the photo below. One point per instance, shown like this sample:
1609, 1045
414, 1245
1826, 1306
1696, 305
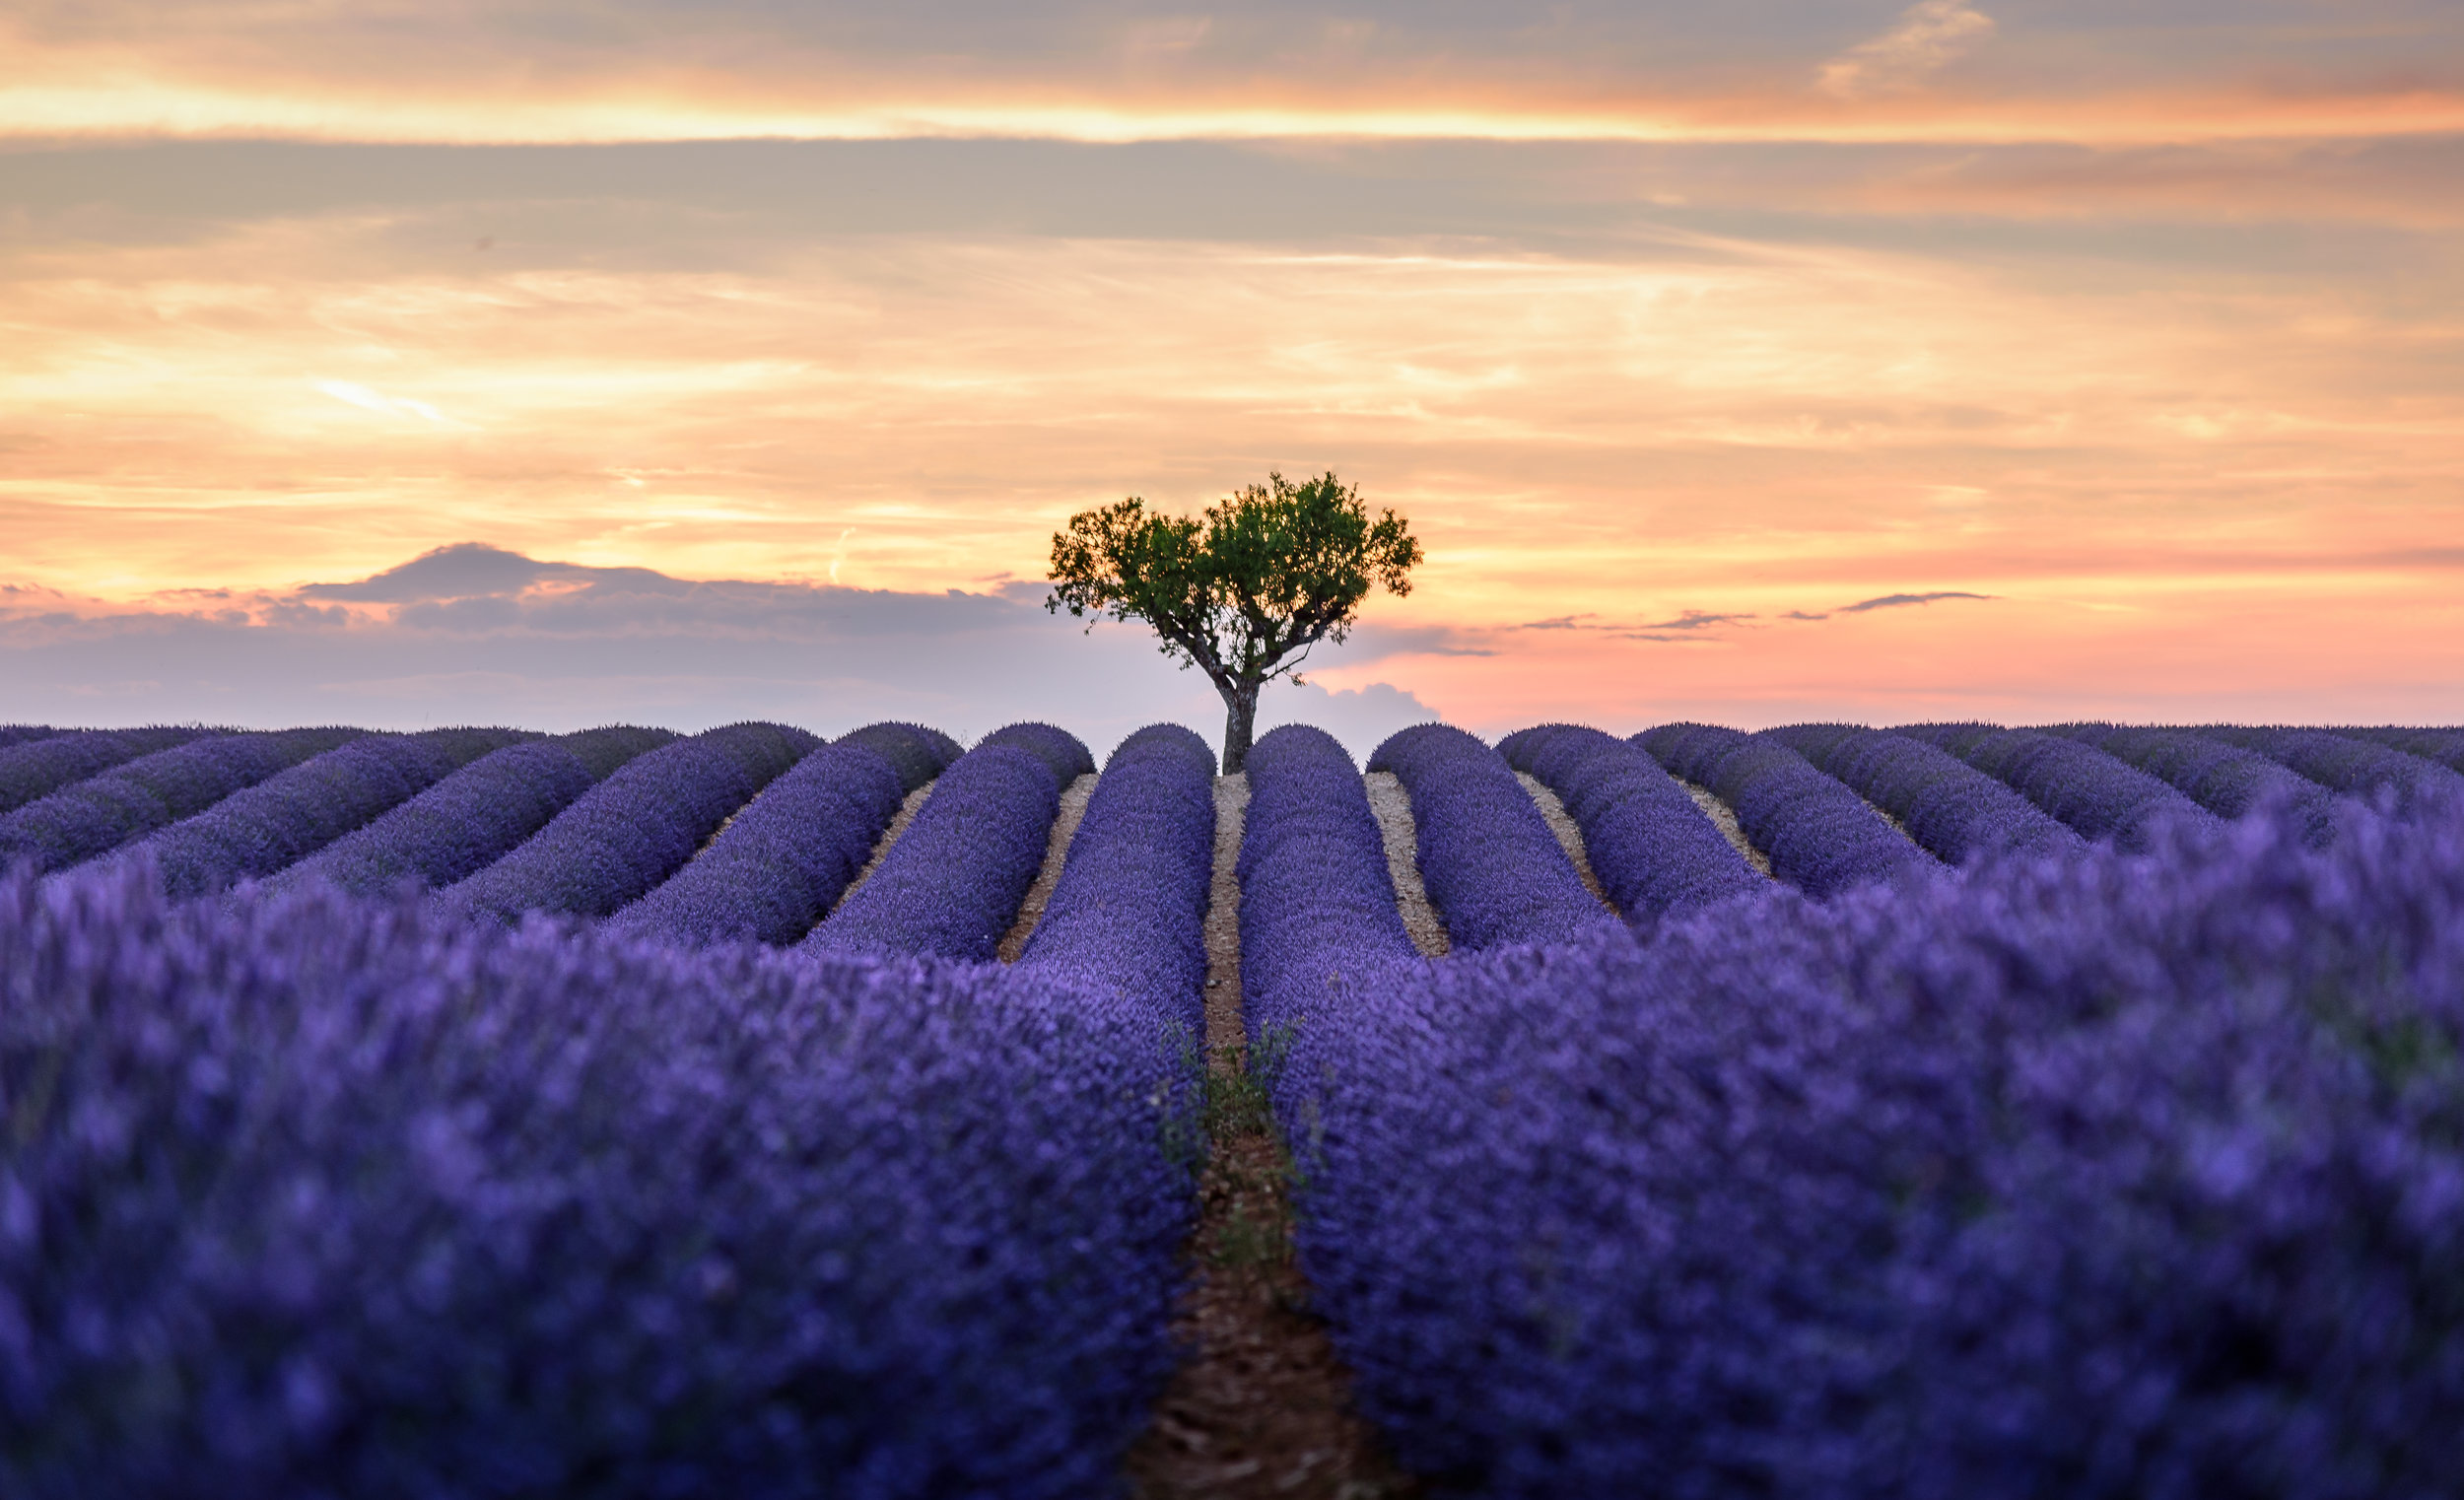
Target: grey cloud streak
474, 633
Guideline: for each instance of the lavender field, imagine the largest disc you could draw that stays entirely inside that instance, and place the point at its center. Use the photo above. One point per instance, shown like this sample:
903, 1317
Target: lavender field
1950, 1111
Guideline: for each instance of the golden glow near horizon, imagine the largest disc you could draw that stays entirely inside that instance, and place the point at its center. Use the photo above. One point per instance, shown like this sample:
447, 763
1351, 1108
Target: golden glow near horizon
2214, 452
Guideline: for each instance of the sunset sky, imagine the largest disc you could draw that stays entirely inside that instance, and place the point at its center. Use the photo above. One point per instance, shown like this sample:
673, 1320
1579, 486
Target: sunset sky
1751, 361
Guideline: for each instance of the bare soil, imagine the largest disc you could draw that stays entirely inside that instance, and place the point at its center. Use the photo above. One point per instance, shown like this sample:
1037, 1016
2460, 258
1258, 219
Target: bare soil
1569, 834
905, 815
1393, 806
1724, 818
1073, 801
1261, 1410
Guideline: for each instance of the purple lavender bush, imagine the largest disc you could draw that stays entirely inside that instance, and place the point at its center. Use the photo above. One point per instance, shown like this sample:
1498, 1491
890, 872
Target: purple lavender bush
474, 817
38, 768
19, 734
1955, 811
782, 861
1127, 919
916, 753
953, 882
2104, 1176
2445, 746
2356, 767
2225, 779
1062, 752
2084, 787
1493, 870
1819, 836
1317, 904
101, 813
286, 817
1651, 848
633, 829
310, 1196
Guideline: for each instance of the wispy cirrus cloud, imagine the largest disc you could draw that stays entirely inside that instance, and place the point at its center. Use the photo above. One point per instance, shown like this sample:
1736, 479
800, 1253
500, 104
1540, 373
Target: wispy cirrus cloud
1930, 36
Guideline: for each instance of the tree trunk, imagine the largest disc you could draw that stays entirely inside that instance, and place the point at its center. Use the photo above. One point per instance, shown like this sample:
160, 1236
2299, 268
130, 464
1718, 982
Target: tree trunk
1240, 723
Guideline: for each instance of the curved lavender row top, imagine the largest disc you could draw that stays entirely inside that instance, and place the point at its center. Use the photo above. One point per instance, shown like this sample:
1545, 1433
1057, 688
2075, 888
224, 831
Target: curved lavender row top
1873, 1199
1316, 905
1951, 808
635, 829
39, 768
1493, 870
917, 754
1129, 918
785, 859
19, 734
1818, 836
474, 817
1058, 749
1651, 847
2081, 785
2354, 767
284, 818
2445, 746
101, 813
2225, 779
373, 1202
953, 882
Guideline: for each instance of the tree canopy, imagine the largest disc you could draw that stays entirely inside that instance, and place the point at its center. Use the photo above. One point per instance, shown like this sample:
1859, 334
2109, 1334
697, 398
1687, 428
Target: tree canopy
1242, 592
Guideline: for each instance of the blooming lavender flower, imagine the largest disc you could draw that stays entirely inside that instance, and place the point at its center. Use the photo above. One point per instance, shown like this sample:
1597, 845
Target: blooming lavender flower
2097, 1175
783, 860
2084, 787
2225, 779
38, 768
1063, 751
2445, 746
98, 814
19, 734
2354, 767
1129, 915
306, 1197
1493, 870
1651, 848
635, 829
264, 827
474, 817
916, 753
1954, 810
953, 882
1819, 836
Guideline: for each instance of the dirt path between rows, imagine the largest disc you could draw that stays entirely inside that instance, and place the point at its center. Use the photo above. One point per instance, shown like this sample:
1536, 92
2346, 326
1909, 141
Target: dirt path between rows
898, 820
1393, 806
1569, 833
1724, 818
1072, 812
1261, 1409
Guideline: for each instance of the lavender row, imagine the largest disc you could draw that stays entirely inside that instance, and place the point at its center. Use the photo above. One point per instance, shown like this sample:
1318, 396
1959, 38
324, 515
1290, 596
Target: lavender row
955, 879
2070, 1176
1954, 810
19, 734
310, 1196
917, 754
474, 817
1818, 836
1492, 868
1128, 919
2091, 790
95, 816
635, 829
260, 830
2445, 746
782, 861
1651, 848
38, 768
2222, 777
2356, 767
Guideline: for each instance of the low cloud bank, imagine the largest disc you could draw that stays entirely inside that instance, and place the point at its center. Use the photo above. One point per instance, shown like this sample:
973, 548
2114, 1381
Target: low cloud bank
475, 633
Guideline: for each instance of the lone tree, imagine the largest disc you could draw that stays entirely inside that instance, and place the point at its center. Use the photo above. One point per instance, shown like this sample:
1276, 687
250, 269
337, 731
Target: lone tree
1273, 570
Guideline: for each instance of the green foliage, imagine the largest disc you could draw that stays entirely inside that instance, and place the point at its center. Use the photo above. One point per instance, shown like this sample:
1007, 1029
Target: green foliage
1242, 592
